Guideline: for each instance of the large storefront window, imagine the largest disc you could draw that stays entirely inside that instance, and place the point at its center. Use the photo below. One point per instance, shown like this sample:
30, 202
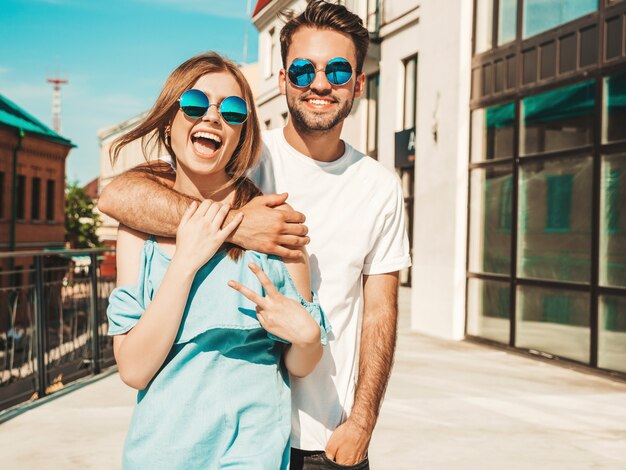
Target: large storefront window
489, 307
553, 320
492, 132
547, 172
613, 223
542, 15
554, 224
490, 220
558, 120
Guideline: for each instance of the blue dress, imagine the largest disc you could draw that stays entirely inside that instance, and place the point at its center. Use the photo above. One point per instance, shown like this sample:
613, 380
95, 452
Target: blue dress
221, 399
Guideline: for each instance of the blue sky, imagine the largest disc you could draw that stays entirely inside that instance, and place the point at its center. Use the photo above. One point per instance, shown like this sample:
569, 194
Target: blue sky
116, 55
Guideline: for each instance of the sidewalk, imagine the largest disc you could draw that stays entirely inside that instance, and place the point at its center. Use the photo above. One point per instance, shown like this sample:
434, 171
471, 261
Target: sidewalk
449, 406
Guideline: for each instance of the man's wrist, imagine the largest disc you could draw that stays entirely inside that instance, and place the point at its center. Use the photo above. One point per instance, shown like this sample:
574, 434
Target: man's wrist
365, 422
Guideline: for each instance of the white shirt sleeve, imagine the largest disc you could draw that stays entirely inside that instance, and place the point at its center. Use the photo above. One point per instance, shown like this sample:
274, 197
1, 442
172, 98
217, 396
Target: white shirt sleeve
390, 251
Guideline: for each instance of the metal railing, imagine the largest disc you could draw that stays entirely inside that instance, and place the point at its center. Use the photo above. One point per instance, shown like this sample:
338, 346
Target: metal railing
53, 325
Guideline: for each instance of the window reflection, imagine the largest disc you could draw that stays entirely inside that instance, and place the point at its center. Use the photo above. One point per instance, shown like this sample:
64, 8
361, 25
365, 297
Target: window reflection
612, 332
555, 321
484, 25
541, 15
507, 21
489, 309
492, 132
490, 219
613, 223
558, 119
614, 118
554, 236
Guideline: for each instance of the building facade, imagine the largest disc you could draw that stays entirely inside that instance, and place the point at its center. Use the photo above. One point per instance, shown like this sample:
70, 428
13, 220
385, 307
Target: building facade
505, 121
32, 187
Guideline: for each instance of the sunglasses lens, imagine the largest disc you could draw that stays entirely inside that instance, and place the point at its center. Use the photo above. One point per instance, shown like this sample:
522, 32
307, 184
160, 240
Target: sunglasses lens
301, 73
194, 103
338, 71
234, 110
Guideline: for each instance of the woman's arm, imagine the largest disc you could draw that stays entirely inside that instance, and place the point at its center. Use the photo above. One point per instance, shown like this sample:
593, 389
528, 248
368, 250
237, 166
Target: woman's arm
287, 318
302, 357
140, 353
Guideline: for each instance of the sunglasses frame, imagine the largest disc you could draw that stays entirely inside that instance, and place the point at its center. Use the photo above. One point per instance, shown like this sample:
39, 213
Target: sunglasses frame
319, 69
218, 105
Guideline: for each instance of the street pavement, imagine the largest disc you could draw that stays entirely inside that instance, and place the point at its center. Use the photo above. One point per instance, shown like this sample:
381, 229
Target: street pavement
449, 406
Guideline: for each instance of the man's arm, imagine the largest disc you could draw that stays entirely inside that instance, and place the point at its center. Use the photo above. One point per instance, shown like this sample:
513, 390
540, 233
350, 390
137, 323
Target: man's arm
348, 444
143, 199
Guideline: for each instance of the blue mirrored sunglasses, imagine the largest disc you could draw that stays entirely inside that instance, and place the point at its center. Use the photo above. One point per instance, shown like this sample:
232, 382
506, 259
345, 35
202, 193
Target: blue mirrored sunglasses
302, 72
195, 104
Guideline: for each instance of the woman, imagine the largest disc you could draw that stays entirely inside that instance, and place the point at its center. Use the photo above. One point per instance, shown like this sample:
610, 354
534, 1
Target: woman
205, 359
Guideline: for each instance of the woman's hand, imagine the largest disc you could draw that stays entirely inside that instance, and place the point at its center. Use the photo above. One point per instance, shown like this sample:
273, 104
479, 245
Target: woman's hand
200, 233
279, 315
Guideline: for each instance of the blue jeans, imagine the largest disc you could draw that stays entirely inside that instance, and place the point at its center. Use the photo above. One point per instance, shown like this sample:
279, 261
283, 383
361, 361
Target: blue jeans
317, 460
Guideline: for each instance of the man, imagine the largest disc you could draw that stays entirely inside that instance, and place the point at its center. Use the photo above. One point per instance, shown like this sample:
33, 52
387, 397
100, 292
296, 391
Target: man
354, 209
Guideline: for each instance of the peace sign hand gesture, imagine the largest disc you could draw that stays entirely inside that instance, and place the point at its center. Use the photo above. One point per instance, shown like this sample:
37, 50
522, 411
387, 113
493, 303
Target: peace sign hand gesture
279, 315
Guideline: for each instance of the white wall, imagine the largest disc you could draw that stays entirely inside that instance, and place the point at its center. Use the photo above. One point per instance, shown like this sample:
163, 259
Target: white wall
440, 226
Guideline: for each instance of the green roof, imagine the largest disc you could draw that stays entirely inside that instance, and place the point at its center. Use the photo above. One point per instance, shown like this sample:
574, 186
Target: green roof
13, 116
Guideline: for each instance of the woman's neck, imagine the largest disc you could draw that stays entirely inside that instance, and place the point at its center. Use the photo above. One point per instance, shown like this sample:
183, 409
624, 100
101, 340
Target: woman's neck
204, 186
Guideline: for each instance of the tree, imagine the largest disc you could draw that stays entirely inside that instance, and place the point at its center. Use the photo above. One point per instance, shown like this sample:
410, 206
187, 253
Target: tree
81, 222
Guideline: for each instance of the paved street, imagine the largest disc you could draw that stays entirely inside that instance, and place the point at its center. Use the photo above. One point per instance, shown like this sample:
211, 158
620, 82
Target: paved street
449, 406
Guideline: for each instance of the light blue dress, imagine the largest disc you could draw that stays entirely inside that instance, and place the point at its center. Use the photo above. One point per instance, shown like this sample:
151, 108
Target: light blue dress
222, 398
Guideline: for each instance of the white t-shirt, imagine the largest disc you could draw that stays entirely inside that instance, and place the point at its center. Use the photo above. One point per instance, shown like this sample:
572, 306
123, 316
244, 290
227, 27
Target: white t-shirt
355, 214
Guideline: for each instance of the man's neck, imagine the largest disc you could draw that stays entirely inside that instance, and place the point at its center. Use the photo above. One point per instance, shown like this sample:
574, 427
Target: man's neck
323, 146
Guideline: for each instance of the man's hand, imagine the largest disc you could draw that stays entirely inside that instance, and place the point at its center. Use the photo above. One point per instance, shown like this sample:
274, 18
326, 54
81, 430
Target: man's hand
348, 444
267, 230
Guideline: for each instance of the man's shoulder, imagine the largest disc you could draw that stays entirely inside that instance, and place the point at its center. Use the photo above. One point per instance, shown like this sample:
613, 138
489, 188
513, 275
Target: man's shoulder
373, 169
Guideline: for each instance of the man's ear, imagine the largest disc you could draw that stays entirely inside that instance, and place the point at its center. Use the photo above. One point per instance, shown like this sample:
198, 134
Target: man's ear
282, 84
359, 86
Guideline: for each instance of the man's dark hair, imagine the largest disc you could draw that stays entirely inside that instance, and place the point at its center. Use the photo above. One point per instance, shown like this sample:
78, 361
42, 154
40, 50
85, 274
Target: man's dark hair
324, 15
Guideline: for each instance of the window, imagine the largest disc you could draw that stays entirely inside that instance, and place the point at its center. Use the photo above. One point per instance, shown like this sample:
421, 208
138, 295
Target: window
612, 329
21, 197
614, 108
542, 15
554, 320
489, 309
507, 21
612, 210
373, 82
492, 132
484, 26
410, 92
554, 219
490, 219
50, 216
558, 119
35, 199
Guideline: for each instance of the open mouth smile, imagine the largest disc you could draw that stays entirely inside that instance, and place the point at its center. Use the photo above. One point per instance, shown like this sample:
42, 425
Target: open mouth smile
206, 144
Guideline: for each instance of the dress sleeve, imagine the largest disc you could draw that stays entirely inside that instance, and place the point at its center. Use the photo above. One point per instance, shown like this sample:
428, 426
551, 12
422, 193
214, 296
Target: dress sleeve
127, 303
285, 285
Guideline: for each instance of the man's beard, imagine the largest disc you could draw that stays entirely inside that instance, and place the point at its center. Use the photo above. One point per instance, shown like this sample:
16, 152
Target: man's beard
308, 121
